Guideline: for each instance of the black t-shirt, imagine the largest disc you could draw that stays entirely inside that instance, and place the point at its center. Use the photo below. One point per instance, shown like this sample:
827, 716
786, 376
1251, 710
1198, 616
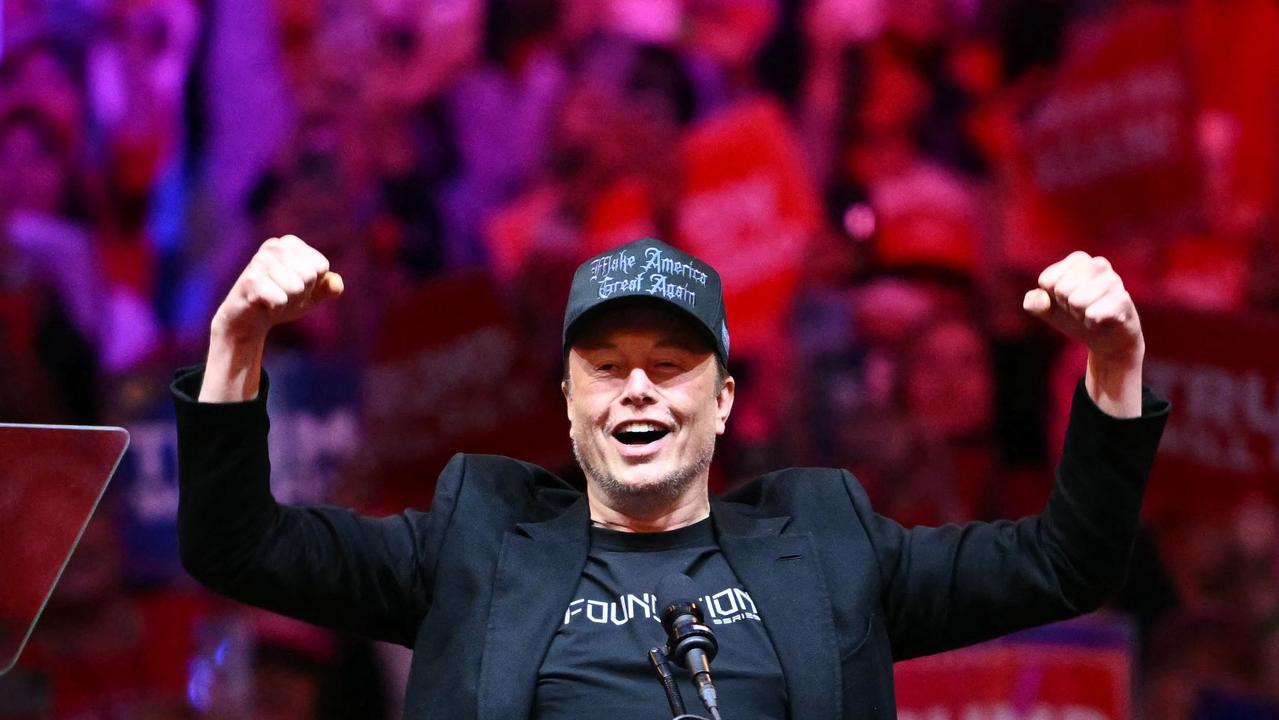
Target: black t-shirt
597, 665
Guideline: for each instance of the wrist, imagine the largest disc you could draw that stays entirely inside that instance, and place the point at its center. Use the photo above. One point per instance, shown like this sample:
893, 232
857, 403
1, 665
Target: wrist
225, 332
234, 364
1119, 361
1114, 382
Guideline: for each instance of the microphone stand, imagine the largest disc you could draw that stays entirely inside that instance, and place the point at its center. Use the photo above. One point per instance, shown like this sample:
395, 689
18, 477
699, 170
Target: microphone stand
661, 665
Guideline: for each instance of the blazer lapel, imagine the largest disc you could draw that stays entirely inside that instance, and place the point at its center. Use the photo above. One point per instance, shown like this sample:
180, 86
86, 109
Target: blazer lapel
538, 570
783, 577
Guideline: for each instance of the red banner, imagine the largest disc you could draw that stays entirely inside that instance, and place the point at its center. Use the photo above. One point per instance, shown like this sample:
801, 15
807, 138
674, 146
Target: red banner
1081, 670
451, 375
1111, 147
1221, 445
748, 209
1016, 683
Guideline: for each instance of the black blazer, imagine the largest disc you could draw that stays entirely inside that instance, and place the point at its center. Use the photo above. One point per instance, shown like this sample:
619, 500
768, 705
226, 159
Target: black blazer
476, 585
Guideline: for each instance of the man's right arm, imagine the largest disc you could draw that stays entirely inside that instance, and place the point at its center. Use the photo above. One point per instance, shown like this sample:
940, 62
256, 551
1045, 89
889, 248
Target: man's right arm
325, 565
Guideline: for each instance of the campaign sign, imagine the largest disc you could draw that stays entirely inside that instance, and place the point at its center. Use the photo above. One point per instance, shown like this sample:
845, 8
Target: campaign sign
1081, 670
748, 208
314, 432
1220, 370
618, 213
451, 374
1111, 146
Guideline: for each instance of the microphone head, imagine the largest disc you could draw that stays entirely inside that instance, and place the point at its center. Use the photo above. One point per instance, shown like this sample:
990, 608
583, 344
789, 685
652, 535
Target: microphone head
681, 617
676, 595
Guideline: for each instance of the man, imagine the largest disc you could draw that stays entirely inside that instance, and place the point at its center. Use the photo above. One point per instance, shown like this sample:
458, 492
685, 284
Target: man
523, 598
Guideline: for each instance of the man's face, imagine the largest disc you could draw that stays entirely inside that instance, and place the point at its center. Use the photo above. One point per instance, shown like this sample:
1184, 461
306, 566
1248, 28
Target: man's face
644, 405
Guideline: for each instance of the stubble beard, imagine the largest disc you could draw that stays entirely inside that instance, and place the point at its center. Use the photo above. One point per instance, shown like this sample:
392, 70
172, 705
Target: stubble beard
646, 498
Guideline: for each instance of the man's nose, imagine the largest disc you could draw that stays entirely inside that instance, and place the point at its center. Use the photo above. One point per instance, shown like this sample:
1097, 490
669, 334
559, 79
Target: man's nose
639, 388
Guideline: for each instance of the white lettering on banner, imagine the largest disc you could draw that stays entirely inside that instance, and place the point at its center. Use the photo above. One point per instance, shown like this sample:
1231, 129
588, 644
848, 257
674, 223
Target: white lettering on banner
419, 404
1139, 88
1224, 419
1110, 126
308, 450
1131, 144
995, 712
153, 496
428, 380
1004, 711
722, 608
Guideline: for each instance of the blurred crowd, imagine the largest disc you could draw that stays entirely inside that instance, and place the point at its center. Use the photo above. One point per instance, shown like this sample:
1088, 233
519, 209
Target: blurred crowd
148, 146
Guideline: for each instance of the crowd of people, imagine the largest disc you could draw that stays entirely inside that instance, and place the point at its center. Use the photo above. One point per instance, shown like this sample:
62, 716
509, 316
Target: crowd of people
147, 148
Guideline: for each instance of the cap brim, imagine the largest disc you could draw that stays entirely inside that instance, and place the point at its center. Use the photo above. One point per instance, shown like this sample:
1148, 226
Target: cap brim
617, 303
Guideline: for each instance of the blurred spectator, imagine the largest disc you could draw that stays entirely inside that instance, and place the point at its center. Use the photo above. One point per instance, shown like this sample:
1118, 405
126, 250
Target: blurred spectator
59, 221
1198, 651
723, 39
502, 112
320, 193
924, 213
49, 295
42, 74
300, 672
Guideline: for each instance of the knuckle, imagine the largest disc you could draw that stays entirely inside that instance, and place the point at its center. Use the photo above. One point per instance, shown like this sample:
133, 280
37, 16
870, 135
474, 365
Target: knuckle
1049, 276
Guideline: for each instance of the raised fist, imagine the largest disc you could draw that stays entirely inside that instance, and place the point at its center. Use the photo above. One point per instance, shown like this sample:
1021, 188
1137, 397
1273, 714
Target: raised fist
1083, 297
283, 280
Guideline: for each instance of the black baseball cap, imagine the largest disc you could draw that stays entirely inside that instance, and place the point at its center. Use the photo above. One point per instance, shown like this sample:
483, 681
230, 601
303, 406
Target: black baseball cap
651, 269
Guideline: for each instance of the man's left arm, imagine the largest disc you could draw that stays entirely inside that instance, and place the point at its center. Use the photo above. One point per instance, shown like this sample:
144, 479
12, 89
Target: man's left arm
950, 586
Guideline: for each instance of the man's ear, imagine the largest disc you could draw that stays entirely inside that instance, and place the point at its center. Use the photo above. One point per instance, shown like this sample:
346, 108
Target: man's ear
568, 399
724, 404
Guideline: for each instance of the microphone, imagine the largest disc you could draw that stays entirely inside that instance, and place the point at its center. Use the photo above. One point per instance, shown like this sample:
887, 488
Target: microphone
689, 642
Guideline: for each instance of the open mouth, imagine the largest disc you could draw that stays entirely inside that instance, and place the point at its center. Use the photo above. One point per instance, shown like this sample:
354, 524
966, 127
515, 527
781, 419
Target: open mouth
640, 433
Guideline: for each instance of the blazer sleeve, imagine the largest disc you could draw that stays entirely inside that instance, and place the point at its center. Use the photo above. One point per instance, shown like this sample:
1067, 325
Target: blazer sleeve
325, 565
951, 586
